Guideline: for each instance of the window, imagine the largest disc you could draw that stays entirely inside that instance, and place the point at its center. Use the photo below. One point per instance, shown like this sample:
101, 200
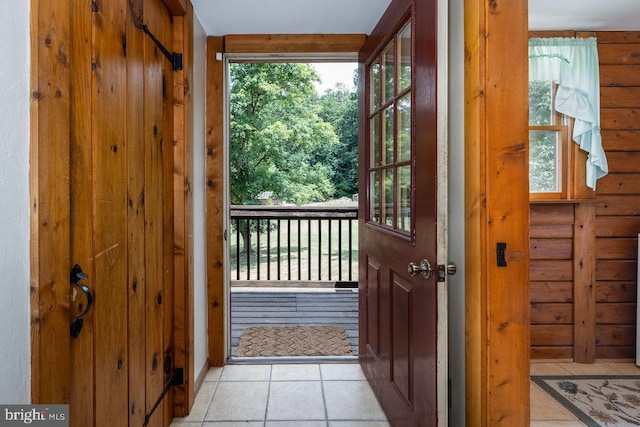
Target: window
572, 65
390, 132
549, 148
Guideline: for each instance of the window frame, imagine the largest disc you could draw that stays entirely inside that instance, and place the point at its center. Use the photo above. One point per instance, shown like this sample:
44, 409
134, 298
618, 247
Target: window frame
572, 163
564, 166
378, 109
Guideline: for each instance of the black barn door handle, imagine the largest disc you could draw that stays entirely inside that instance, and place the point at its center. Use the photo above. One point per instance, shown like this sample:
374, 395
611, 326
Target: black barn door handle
76, 275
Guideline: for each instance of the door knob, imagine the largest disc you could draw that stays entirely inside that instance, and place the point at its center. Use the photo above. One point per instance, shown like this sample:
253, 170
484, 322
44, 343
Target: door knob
423, 268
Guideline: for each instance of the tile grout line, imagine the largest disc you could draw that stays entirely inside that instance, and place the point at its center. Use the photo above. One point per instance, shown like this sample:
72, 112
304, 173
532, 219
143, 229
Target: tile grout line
210, 400
324, 398
266, 408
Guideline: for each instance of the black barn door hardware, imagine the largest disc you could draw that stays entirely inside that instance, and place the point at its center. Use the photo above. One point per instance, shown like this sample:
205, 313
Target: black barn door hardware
76, 275
174, 57
176, 379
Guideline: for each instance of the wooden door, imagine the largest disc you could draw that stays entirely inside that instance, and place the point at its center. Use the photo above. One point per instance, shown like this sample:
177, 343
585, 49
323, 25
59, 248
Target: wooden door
109, 118
121, 212
398, 176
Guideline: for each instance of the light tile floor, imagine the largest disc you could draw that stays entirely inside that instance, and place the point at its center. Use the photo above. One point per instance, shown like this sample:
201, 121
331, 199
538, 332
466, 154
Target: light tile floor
546, 411
337, 395
285, 395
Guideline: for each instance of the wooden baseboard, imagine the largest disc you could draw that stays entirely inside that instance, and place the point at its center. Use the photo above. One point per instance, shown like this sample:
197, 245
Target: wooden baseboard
201, 376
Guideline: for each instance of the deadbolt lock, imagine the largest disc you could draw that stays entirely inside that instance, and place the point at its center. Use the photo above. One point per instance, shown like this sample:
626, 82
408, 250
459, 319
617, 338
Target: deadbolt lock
446, 270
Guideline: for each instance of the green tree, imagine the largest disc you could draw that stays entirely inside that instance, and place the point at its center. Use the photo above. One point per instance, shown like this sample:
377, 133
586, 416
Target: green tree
279, 143
277, 136
339, 106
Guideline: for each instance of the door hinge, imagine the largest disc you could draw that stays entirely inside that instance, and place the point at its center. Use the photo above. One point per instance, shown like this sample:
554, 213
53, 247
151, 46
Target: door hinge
176, 379
174, 57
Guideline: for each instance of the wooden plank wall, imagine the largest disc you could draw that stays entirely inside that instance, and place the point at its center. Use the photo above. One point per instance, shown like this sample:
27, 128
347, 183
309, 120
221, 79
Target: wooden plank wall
618, 195
551, 275
554, 233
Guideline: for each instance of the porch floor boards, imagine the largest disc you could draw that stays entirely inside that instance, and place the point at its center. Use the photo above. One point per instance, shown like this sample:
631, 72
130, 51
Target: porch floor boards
290, 308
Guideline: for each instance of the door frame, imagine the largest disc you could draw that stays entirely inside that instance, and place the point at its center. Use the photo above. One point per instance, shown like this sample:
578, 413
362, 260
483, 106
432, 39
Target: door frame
49, 271
227, 59
497, 337
496, 165
54, 47
219, 51
300, 46
442, 208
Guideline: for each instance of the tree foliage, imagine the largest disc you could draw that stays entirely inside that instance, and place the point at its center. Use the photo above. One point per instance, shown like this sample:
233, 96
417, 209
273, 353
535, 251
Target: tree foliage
279, 142
339, 106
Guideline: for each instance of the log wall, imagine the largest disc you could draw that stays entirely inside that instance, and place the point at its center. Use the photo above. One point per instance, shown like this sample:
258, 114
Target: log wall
609, 328
618, 195
551, 275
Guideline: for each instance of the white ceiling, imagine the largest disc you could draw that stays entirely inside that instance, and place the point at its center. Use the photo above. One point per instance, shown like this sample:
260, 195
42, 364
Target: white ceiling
220, 17
584, 15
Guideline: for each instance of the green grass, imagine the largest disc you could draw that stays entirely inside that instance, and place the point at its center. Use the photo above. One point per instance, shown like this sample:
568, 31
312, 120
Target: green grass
310, 238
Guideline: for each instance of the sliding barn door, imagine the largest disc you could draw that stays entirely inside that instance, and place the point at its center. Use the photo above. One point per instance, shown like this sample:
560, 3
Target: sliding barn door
121, 211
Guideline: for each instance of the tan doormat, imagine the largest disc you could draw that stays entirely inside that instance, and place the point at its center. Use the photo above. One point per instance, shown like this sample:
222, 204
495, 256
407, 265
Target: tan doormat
269, 341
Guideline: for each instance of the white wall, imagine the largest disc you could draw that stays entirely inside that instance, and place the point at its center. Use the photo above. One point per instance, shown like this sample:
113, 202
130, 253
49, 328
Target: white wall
15, 332
198, 90
456, 212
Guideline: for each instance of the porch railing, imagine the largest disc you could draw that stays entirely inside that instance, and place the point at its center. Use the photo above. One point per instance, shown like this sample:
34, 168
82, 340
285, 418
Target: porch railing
294, 243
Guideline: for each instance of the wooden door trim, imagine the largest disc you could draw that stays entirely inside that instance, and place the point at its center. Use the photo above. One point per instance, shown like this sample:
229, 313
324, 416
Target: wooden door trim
183, 318
293, 43
178, 7
497, 210
214, 202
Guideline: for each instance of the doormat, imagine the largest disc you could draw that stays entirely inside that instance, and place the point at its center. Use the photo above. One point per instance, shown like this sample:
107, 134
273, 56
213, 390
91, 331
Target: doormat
270, 341
597, 400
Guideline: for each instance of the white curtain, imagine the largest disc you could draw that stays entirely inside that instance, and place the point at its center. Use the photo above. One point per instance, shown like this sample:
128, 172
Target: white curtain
573, 64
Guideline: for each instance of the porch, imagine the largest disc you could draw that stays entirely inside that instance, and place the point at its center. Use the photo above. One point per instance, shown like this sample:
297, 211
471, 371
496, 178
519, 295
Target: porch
294, 266
299, 307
